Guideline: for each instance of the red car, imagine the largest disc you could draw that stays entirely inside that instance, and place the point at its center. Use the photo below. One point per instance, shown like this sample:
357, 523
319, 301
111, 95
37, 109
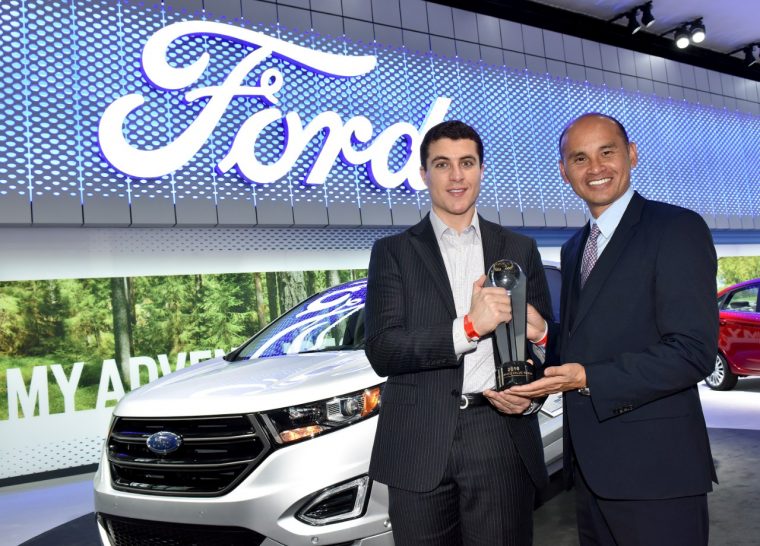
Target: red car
739, 339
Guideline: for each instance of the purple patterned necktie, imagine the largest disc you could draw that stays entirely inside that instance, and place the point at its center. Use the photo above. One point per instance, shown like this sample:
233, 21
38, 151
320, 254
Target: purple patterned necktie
589, 254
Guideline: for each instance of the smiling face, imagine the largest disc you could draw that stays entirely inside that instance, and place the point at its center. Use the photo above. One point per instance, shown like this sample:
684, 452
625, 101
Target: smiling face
452, 174
597, 161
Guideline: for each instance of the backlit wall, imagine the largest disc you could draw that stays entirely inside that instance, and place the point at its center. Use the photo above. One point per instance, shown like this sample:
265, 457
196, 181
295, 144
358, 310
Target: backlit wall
66, 62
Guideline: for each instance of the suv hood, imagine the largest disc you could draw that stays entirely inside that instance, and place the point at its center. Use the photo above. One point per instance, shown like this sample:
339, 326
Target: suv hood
218, 387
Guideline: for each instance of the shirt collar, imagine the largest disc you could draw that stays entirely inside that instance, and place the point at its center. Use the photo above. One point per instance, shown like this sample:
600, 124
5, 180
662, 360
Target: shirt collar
608, 221
440, 227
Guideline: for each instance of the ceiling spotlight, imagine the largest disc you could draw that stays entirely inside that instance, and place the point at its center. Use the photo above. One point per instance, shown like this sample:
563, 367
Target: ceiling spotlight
633, 25
682, 37
646, 15
632, 14
697, 31
690, 32
751, 53
754, 55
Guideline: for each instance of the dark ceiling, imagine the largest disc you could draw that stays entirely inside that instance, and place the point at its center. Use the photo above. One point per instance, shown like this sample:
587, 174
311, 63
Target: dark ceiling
730, 25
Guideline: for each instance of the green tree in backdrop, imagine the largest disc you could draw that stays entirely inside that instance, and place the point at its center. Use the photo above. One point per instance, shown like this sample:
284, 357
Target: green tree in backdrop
734, 269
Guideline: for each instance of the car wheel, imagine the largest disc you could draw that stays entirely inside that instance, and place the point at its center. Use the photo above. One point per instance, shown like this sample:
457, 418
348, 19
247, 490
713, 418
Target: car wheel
722, 378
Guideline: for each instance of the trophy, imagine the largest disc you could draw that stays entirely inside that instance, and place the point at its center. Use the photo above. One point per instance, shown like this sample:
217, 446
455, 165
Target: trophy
512, 368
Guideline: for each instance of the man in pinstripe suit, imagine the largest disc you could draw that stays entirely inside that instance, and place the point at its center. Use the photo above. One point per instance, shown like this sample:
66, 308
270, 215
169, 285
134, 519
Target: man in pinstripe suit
461, 461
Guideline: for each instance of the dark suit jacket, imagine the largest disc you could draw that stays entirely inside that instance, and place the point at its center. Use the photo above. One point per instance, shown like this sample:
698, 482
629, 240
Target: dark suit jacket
645, 327
409, 314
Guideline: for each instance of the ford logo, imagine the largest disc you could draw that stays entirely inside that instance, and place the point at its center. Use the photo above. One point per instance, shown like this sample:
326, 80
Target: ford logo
163, 442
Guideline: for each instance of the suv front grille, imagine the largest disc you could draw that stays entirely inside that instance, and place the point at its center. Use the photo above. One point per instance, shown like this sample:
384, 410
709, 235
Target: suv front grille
215, 454
136, 532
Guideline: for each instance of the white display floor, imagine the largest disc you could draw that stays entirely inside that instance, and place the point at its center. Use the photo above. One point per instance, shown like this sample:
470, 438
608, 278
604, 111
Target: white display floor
30, 509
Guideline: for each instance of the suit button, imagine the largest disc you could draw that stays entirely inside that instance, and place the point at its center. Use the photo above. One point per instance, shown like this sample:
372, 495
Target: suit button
455, 393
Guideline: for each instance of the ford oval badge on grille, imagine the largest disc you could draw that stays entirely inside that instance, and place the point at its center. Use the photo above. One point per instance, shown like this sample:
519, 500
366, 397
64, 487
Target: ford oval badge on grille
163, 442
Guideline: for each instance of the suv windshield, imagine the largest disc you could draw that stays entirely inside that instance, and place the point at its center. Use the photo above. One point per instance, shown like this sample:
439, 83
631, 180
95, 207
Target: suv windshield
332, 320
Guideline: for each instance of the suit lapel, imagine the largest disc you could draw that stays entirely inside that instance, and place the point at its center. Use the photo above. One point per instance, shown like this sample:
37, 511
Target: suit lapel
625, 230
492, 250
425, 244
570, 256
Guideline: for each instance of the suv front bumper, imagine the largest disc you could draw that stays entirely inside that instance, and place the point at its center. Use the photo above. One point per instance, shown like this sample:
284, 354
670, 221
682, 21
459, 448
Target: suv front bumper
266, 502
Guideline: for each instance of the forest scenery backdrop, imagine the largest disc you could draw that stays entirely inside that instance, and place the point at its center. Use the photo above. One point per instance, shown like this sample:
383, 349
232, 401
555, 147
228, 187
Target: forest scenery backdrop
66, 345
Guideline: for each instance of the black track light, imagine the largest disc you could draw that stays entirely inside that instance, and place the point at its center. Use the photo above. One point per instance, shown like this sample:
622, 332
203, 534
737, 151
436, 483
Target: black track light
682, 37
697, 31
751, 54
646, 15
689, 32
634, 23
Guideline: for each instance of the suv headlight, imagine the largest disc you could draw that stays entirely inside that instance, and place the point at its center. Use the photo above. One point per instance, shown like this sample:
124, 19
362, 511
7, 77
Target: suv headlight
308, 420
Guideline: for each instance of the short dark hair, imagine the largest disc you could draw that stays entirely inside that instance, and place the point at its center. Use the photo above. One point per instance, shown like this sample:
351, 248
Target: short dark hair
620, 127
453, 129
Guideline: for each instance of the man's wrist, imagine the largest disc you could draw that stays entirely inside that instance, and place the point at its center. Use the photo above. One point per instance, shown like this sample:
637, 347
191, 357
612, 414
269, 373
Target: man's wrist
544, 338
469, 329
585, 390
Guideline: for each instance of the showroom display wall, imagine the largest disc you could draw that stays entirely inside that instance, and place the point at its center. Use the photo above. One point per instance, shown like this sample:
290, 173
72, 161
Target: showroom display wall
66, 212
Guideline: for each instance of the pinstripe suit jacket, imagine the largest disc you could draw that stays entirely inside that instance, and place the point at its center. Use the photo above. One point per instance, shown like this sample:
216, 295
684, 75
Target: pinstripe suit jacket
409, 313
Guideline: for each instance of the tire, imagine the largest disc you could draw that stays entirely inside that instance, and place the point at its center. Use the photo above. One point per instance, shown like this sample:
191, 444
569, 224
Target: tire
722, 378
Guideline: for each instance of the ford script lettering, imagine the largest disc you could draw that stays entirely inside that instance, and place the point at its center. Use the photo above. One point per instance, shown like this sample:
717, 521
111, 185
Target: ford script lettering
340, 138
164, 442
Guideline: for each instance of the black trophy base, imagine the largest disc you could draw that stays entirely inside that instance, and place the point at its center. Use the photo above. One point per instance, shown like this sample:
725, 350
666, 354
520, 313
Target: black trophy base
513, 373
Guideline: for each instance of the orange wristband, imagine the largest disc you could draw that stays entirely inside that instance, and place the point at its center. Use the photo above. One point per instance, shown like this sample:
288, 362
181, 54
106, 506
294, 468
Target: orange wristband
469, 329
542, 342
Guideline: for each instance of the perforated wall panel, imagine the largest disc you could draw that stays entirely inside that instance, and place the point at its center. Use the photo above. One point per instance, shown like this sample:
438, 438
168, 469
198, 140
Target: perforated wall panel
67, 61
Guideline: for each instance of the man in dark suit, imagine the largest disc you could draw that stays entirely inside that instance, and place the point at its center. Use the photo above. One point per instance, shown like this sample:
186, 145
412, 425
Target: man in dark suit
638, 330
461, 461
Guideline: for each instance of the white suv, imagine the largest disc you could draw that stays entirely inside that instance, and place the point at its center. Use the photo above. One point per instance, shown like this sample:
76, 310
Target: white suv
269, 445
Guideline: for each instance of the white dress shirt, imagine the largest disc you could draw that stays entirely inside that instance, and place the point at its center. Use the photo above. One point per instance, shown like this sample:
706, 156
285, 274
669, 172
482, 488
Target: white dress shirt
463, 257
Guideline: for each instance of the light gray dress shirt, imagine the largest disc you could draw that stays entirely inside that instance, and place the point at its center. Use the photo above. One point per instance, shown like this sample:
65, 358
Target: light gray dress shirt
608, 221
463, 257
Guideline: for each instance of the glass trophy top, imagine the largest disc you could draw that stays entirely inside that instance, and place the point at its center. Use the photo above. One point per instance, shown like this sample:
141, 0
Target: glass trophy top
505, 273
